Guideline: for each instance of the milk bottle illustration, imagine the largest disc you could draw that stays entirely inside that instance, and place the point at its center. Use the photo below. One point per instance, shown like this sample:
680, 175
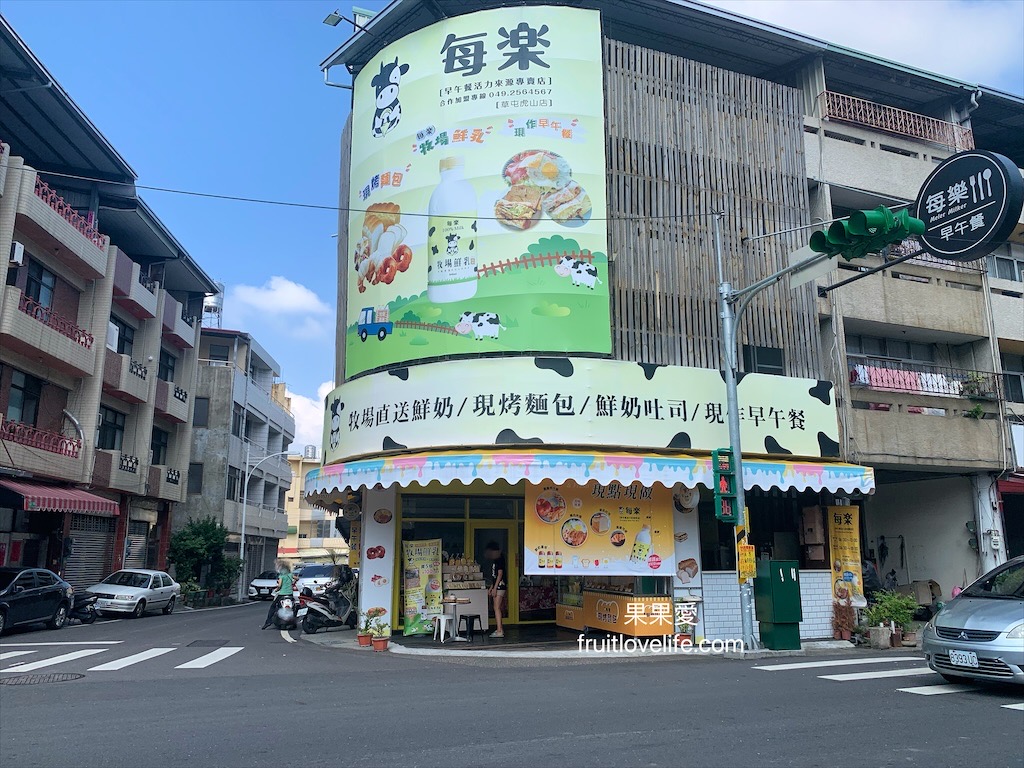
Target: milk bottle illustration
451, 236
641, 547
432, 591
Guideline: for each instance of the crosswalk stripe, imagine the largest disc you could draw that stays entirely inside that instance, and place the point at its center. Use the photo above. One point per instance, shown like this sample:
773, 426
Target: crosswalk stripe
878, 674
57, 660
210, 658
12, 654
94, 643
837, 663
127, 661
934, 690
1019, 707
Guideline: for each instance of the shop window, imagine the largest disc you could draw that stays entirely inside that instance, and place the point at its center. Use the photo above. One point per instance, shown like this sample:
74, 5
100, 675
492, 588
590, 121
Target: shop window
219, 352
158, 445
110, 432
201, 412
451, 534
195, 478
1013, 377
40, 285
492, 508
23, 399
768, 360
125, 336
165, 372
433, 506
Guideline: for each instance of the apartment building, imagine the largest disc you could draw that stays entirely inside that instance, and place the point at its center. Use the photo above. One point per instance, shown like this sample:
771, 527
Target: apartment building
98, 344
313, 536
242, 430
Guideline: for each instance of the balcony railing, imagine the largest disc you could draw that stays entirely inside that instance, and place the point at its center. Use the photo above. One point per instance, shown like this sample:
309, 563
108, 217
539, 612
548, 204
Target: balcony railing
921, 378
129, 463
149, 285
180, 394
912, 244
56, 321
839, 106
52, 442
190, 319
138, 369
173, 476
69, 214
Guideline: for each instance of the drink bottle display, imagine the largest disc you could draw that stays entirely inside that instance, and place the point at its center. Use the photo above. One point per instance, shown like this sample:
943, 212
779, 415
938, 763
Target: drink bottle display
452, 236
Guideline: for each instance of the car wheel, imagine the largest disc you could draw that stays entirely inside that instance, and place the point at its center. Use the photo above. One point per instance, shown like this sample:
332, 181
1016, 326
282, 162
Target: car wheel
955, 678
60, 617
3, 622
169, 608
140, 608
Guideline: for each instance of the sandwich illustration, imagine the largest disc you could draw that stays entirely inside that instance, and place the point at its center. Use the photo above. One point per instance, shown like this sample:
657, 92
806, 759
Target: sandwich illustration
567, 203
519, 206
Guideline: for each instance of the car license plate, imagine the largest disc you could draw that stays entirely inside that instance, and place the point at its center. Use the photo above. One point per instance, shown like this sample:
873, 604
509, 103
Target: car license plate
302, 612
963, 659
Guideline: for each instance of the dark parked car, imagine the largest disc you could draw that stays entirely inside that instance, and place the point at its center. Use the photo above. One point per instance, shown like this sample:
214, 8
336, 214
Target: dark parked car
33, 596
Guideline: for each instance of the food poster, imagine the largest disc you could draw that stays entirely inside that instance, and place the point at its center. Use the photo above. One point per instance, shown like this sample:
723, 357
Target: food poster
421, 566
615, 530
478, 198
686, 537
844, 554
377, 555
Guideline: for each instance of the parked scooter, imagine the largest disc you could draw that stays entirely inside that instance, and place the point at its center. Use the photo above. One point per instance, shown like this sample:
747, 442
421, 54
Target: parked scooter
84, 608
335, 608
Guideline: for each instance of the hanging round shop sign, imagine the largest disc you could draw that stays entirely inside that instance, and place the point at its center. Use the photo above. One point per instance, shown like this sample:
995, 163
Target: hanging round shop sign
970, 204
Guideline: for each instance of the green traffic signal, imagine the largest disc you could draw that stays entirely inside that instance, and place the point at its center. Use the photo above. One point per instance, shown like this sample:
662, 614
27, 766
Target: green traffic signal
866, 232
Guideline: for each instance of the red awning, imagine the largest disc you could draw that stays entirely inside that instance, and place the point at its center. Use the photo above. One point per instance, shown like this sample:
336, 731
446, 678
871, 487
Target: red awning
49, 498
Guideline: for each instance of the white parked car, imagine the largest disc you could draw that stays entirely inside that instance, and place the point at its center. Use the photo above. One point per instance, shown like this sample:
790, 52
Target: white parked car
316, 577
264, 586
135, 591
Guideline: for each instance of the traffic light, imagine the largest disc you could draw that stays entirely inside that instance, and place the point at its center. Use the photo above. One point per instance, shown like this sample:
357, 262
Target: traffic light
725, 485
866, 232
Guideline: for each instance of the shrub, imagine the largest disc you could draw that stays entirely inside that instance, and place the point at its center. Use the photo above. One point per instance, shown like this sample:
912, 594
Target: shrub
891, 606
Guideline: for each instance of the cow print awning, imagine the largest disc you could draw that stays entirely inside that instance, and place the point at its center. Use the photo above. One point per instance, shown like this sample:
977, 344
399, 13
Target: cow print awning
557, 467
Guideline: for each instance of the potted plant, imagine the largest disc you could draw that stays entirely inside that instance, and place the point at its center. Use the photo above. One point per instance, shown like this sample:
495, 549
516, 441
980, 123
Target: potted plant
975, 385
844, 619
685, 635
381, 632
364, 636
891, 611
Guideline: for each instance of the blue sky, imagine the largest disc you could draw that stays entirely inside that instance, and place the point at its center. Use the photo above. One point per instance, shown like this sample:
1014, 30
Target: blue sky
226, 97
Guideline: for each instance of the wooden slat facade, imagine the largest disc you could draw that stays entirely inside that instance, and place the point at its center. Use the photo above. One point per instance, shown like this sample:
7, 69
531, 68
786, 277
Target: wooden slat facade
685, 139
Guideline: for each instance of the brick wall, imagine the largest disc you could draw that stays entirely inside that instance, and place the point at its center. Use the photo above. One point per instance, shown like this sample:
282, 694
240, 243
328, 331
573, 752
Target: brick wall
722, 620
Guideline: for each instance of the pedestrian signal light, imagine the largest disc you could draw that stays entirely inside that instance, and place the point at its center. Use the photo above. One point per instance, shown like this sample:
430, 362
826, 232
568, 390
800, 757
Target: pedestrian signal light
725, 485
866, 232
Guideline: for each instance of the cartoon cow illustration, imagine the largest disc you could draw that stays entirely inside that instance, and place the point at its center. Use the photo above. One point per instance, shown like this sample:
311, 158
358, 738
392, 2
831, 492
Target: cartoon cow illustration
482, 324
389, 110
581, 272
453, 244
336, 408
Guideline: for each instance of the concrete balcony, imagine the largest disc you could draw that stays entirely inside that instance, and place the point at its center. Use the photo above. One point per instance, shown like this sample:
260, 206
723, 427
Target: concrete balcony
178, 329
869, 375
125, 378
843, 108
171, 401
135, 293
259, 520
45, 217
119, 471
41, 333
168, 483
1008, 312
40, 452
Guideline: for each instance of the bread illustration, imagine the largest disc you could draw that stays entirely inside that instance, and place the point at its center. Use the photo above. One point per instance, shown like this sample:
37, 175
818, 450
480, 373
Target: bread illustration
381, 215
519, 206
686, 570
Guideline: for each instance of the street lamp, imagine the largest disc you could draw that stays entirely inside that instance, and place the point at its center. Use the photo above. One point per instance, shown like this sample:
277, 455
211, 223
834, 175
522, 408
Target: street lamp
245, 506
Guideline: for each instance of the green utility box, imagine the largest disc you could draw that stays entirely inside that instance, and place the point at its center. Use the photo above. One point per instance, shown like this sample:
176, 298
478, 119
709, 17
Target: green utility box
777, 603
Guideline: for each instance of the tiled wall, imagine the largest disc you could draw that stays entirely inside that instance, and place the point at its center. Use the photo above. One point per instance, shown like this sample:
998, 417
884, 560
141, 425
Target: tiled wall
722, 605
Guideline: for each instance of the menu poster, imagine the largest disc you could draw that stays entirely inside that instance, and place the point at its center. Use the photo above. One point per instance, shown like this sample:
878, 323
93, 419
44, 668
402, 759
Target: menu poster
422, 579
614, 530
844, 553
686, 537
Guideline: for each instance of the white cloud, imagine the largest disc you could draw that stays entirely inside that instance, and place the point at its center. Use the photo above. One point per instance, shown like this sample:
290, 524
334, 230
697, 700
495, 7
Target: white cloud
974, 41
278, 296
309, 417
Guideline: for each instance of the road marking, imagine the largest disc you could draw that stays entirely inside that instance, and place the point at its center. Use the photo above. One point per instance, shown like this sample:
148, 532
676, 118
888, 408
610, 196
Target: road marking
12, 654
57, 660
878, 674
96, 642
127, 661
286, 636
838, 663
933, 690
1019, 707
210, 658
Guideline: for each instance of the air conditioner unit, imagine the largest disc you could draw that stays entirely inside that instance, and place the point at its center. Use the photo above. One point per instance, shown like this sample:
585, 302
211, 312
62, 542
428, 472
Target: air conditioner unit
17, 253
113, 334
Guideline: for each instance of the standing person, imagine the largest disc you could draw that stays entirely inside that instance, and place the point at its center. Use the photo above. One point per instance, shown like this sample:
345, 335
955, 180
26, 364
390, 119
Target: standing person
285, 586
498, 583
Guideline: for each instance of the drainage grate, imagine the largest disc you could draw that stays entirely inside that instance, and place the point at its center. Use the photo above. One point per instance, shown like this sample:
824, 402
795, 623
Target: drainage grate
207, 643
55, 677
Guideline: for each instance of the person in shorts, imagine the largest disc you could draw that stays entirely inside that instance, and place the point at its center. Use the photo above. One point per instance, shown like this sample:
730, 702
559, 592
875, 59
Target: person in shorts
498, 583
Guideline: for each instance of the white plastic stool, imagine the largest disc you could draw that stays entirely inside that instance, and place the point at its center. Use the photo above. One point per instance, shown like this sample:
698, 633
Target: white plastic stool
441, 624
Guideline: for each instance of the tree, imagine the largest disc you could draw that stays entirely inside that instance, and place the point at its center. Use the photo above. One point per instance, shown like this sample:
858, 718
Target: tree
201, 544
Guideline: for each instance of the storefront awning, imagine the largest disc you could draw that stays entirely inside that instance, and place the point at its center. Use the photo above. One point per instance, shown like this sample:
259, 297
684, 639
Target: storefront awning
540, 466
49, 498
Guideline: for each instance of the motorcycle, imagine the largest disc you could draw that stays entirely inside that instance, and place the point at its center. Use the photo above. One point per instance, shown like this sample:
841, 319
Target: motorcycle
84, 608
335, 608
285, 613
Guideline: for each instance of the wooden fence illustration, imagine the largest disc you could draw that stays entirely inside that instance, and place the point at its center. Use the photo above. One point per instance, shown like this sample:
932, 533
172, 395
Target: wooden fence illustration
527, 262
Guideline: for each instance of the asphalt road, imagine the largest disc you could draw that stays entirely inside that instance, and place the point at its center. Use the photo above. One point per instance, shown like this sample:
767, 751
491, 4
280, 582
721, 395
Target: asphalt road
173, 691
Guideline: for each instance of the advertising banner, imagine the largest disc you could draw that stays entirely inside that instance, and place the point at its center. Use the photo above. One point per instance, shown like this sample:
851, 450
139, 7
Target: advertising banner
376, 556
686, 537
616, 530
844, 554
477, 191
422, 582
574, 401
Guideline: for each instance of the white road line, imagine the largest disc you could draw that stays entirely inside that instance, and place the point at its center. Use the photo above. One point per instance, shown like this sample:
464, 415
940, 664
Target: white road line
95, 642
12, 654
210, 658
933, 690
286, 636
878, 674
127, 661
57, 660
838, 663
1019, 707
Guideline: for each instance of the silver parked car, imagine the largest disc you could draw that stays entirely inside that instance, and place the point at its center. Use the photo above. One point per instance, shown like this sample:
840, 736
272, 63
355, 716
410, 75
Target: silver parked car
135, 591
979, 634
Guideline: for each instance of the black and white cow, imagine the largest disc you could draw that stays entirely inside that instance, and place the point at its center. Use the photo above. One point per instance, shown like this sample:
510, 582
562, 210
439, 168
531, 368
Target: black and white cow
336, 407
389, 110
581, 272
482, 324
453, 244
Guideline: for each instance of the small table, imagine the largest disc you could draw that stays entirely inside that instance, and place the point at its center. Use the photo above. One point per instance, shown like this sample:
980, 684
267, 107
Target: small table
455, 602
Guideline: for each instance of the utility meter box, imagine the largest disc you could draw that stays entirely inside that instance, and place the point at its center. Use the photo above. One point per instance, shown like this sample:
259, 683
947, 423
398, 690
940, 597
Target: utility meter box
777, 603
